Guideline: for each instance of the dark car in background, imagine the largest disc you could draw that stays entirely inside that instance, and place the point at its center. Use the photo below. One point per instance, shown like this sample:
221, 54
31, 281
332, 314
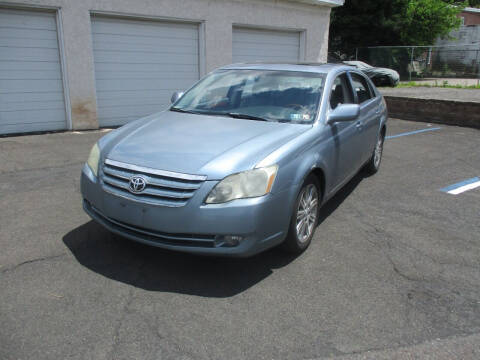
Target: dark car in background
379, 76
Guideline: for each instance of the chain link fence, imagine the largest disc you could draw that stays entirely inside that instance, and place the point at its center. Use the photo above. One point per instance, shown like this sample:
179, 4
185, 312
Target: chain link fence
426, 62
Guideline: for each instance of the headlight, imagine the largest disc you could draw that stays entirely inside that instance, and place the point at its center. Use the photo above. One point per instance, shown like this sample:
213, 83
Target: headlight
93, 159
247, 184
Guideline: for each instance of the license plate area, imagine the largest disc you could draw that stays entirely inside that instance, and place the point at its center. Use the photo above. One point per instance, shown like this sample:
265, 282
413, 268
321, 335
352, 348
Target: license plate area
124, 210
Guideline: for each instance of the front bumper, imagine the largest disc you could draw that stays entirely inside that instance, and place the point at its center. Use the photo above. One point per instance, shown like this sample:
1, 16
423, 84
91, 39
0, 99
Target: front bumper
196, 227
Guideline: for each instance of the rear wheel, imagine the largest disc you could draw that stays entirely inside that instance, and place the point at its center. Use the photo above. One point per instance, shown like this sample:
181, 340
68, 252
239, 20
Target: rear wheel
373, 164
305, 216
390, 82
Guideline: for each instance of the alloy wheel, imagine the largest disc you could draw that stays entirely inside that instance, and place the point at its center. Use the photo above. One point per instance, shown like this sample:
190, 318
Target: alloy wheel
307, 213
378, 152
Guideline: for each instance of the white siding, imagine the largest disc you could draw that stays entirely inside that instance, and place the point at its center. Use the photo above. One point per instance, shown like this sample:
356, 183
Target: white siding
139, 64
31, 87
265, 45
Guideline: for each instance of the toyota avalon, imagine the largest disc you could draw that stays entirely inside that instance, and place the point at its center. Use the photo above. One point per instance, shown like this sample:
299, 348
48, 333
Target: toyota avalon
241, 162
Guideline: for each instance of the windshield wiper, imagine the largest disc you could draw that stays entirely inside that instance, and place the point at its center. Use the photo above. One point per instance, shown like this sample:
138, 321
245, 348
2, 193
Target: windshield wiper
245, 116
183, 110
231, 114
198, 112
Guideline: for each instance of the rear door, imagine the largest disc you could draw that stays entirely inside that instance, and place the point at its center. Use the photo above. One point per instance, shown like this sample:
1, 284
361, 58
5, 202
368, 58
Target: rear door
346, 135
369, 120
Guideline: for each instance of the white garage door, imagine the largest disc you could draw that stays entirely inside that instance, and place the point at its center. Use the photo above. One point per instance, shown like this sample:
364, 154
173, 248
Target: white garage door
31, 88
139, 64
265, 45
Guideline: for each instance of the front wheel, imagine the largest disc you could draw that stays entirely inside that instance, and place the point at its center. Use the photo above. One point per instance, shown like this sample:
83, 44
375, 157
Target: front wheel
305, 216
373, 164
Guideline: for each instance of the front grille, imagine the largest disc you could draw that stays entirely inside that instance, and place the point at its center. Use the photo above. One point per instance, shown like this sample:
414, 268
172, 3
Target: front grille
163, 188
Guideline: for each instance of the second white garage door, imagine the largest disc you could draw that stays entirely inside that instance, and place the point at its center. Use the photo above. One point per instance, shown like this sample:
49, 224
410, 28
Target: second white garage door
139, 64
265, 45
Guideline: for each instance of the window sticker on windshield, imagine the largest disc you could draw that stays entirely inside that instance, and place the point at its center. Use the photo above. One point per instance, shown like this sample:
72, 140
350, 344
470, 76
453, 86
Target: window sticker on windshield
300, 117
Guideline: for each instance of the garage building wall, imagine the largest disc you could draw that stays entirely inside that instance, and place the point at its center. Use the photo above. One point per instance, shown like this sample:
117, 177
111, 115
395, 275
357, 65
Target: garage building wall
215, 19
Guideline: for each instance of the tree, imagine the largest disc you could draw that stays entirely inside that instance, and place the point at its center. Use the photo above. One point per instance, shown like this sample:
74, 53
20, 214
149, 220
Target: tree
474, 3
361, 23
426, 20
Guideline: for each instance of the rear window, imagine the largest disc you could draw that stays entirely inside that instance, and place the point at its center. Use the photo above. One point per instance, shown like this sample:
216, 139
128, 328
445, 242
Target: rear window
361, 88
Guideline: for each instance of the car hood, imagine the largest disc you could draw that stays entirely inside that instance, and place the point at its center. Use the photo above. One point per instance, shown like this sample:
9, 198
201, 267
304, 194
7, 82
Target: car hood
214, 146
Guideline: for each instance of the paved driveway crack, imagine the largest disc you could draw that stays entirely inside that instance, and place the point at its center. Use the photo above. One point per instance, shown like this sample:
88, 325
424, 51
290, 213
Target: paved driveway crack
31, 261
124, 313
116, 331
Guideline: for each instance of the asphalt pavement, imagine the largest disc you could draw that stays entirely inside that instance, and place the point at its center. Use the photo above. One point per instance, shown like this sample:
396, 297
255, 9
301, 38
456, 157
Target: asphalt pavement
393, 271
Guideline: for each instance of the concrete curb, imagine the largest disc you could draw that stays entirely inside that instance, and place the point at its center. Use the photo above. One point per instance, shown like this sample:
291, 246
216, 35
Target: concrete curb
459, 113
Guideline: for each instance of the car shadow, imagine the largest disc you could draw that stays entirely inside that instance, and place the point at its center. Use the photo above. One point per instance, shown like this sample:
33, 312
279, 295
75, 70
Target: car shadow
154, 269
332, 204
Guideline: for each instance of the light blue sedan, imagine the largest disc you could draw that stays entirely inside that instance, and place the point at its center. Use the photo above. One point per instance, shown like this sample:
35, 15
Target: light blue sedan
241, 162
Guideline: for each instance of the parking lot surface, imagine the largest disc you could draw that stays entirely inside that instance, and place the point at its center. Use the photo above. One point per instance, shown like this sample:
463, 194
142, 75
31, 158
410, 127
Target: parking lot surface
393, 270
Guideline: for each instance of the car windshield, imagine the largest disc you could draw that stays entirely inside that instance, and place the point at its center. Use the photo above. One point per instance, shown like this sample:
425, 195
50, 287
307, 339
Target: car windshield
284, 96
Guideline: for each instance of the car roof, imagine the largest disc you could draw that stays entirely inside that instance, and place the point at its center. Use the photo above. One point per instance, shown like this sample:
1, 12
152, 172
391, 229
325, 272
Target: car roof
322, 68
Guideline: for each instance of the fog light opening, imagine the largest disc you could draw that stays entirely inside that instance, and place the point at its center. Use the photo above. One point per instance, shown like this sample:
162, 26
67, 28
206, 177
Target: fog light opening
228, 240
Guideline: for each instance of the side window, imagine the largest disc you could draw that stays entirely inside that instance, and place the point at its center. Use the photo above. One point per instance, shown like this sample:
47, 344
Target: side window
372, 89
341, 92
361, 87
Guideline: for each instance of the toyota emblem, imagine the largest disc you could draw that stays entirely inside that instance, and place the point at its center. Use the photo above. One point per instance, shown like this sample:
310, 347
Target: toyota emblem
137, 184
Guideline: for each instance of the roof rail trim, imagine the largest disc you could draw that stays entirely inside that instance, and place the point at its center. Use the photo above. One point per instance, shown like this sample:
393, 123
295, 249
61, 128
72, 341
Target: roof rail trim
329, 3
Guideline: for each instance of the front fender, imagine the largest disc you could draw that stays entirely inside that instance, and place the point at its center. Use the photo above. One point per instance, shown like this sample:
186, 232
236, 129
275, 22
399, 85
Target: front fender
293, 174
297, 159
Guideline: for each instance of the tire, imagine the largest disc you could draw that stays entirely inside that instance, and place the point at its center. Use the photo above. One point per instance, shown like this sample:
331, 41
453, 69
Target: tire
373, 165
391, 82
299, 237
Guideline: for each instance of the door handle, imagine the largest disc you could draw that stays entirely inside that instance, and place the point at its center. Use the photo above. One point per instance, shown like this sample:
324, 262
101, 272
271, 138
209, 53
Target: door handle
358, 124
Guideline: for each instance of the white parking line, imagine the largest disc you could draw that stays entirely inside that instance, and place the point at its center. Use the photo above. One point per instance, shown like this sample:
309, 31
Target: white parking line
412, 133
462, 186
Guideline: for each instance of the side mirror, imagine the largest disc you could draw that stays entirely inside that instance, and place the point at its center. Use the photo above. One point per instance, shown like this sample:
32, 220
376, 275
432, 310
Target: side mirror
176, 95
344, 112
